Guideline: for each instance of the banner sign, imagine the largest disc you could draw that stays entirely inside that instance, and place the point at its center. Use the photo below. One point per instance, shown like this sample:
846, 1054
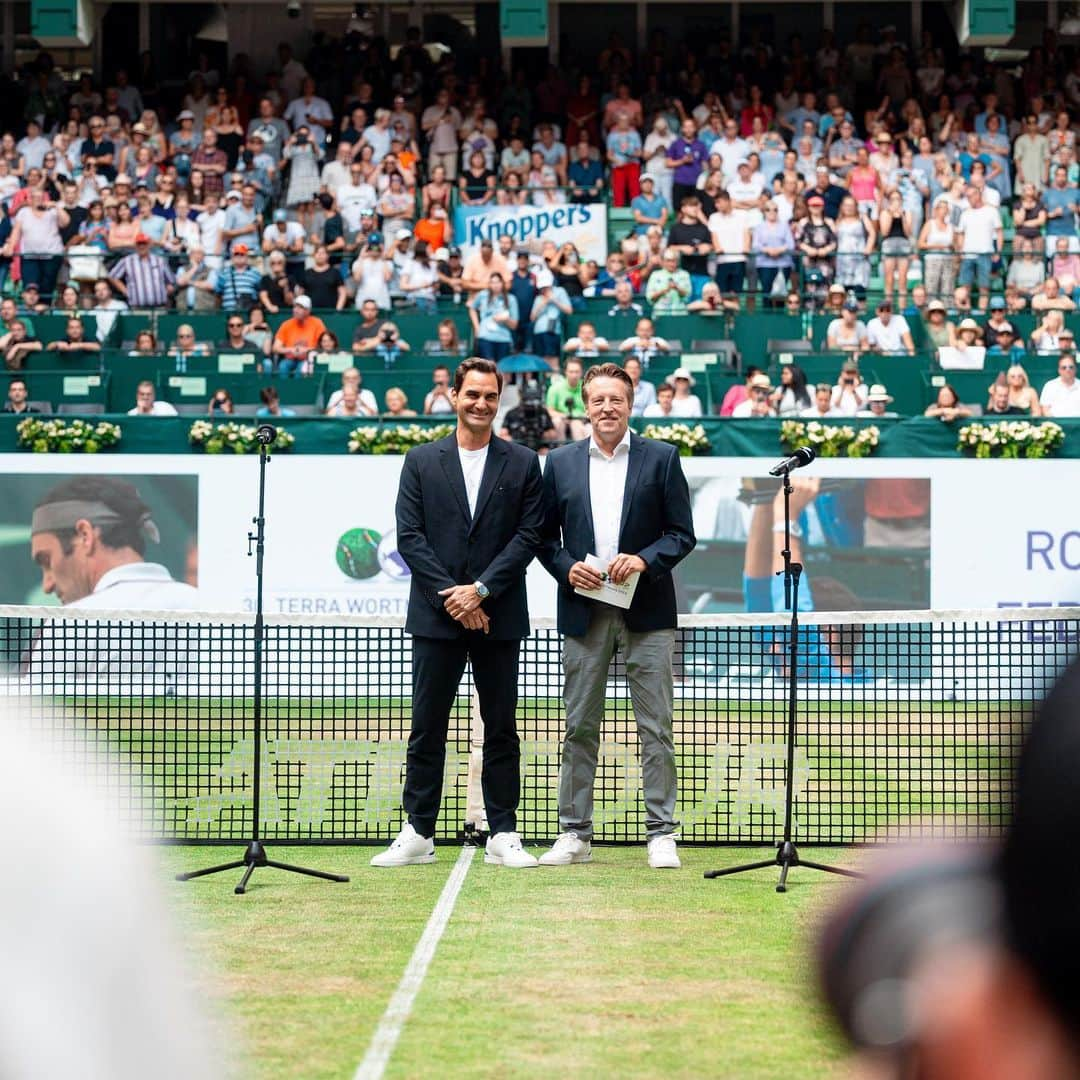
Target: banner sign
584, 225
900, 534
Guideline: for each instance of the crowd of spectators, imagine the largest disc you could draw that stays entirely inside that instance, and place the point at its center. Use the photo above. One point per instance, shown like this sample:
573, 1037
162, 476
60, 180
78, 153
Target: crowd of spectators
882, 181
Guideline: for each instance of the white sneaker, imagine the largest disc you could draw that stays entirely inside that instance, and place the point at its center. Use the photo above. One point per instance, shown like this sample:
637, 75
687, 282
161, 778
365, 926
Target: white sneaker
504, 849
568, 848
662, 853
409, 849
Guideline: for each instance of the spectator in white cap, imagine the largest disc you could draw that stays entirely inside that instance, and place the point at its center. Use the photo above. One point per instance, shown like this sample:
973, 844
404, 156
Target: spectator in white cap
297, 338
551, 306
878, 401
757, 403
686, 404
401, 258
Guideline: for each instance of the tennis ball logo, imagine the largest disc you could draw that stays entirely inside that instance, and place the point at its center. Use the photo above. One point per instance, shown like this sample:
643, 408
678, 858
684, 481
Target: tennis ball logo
358, 553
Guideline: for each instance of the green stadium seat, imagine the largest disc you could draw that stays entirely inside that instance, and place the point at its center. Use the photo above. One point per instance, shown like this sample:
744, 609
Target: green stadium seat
63, 388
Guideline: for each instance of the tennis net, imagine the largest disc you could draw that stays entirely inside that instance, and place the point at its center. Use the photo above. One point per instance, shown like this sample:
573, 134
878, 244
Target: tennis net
908, 723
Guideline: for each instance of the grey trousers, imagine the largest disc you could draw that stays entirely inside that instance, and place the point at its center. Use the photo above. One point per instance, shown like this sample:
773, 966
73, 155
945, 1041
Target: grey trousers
648, 658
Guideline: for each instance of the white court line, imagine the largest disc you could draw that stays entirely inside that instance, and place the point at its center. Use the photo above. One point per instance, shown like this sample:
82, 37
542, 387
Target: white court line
397, 1012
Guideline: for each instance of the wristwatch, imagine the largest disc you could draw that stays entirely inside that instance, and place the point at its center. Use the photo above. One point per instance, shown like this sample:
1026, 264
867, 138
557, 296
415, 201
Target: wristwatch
481, 590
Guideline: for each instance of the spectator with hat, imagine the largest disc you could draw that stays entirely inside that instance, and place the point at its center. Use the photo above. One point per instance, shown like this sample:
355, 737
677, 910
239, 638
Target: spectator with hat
297, 339
1006, 346
848, 333
243, 221
649, 207
686, 404
889, 333
238, 281
372, 272
940, 331
144, 280
878, 400
757, 403
997, 322
549, 309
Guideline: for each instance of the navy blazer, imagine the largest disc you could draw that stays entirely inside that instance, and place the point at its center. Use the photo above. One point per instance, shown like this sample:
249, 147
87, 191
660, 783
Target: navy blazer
443, 545
657, 524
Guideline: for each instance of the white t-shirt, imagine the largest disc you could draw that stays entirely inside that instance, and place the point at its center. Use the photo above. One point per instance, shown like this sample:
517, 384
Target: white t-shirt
686, 407
654, 410
472, 468
284, 240
210, 226
888, 338
979, 228
1059, 399
729, 230
731, 153
745, 410
159, 408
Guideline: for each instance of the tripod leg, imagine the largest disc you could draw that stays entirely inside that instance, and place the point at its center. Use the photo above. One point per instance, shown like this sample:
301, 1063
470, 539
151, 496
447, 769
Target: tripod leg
242, 887
210, 870
740, 869
781, 885
832, 869
303, 870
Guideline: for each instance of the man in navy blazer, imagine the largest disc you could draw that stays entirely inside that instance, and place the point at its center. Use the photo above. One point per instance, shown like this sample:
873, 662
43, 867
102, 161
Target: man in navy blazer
625, 500
469, 514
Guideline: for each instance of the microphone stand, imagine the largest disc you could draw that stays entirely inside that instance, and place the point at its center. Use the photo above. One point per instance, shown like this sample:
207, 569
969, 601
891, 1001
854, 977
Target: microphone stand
787, 855
255, 854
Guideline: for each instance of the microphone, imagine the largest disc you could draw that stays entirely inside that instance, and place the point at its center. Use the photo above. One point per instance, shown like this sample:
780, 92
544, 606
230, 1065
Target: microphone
803, 456
267, 433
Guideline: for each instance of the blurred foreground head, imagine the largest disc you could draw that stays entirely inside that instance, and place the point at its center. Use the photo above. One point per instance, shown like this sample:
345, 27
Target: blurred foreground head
93, 986
963, 964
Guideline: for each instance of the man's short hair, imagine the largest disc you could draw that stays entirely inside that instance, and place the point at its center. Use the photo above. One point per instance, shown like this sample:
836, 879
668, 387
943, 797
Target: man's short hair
268, 395
607, 371
145, 382
689, 200
118, 495
17, 379
476, 363
665, 387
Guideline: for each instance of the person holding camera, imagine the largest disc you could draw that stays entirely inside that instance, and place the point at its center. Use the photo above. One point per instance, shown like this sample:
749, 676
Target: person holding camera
529, 422
221, 404
372, 273
850, 393
388, 344
304, 155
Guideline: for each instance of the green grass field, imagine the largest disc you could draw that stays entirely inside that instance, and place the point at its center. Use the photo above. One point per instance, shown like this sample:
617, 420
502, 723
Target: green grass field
605, 969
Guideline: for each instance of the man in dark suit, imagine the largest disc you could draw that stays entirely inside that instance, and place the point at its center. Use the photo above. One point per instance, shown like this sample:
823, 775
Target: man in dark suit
625, 500
469, 514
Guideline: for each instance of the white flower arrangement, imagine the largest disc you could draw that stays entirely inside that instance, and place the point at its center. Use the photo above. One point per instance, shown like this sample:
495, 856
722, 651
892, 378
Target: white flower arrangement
830, 440
1010, 439
688, 440
394, 438
66, 436
233, 438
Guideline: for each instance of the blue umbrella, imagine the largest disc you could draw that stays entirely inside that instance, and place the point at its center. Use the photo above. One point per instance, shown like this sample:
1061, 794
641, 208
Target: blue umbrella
523, 361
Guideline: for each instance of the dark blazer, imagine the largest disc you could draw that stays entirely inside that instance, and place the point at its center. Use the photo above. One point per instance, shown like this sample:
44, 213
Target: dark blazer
657, 524
443, 546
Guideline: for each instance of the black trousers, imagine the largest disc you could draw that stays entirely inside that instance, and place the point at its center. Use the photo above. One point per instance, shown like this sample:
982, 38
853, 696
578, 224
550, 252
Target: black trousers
437, 667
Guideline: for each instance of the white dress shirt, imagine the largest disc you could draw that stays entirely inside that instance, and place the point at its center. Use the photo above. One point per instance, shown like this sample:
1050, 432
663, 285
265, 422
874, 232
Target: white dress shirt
472, 467
607, 489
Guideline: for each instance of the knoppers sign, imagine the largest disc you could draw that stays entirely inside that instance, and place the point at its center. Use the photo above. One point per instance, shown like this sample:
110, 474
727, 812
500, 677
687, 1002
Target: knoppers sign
583, 225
